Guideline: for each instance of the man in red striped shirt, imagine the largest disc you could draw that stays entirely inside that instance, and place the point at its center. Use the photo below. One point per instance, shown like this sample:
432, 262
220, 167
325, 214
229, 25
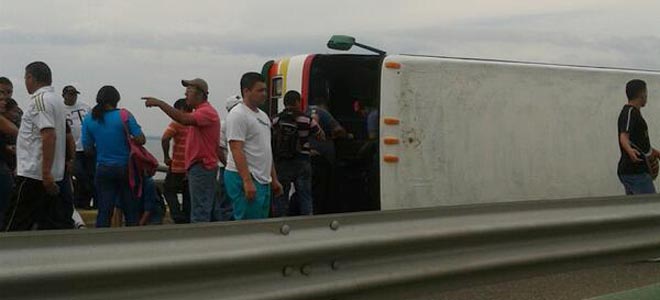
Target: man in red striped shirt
175, 181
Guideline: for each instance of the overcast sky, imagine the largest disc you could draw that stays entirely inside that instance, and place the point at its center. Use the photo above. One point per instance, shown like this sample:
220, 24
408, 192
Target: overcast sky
145, 47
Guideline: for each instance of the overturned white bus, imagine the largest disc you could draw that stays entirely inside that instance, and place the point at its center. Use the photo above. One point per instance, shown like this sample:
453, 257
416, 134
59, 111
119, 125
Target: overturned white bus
465, 131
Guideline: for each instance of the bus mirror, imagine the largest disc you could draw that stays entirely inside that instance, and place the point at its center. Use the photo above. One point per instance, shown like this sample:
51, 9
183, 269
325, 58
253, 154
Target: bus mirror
345, 43
341, 42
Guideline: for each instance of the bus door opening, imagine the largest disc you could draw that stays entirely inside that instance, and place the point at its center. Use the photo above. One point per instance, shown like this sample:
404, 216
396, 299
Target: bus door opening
346, 175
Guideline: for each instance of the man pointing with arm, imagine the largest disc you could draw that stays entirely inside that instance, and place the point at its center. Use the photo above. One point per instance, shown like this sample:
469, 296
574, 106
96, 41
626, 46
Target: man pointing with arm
201, 148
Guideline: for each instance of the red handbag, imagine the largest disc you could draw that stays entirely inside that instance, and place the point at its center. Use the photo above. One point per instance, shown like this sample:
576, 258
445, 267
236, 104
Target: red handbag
140, 161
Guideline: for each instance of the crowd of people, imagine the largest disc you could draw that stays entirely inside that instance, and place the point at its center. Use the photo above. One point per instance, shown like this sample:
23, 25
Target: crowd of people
59, 154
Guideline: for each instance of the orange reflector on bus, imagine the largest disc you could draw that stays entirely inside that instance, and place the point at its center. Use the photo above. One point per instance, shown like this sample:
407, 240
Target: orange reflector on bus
391, 158
393, 65
391, 141
391, 121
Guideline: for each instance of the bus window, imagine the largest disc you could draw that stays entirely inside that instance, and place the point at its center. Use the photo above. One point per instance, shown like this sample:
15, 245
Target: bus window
277, 87
276, 94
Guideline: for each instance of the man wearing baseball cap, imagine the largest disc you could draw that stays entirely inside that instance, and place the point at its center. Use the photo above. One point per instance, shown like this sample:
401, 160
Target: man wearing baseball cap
84, 167
201, 148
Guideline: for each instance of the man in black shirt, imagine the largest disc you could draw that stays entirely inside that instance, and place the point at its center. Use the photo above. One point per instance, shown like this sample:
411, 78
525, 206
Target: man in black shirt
634, 143
292, 132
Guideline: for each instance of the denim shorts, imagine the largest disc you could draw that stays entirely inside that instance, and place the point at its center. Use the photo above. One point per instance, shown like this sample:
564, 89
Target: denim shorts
637, 184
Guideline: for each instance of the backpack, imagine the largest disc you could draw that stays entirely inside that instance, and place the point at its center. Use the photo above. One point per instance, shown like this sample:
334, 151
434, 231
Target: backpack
140, 161
286, 144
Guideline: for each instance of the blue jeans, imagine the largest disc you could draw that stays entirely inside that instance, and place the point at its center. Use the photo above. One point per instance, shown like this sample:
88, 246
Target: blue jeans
151, 202
226, 209
204, 198
112, 188
637, 184
299, 173
258, 208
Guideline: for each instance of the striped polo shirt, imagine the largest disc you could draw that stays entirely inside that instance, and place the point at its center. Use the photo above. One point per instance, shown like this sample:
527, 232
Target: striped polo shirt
306, 127
179, 133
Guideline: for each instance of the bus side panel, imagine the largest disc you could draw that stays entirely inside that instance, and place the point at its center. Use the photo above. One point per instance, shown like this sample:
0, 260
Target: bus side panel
290, 72
481, 132
390, 181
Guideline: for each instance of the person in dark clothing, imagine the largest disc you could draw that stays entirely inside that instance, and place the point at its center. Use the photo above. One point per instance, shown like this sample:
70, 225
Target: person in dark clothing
9, 111
323, 157
292, 130
8, 130
636, 152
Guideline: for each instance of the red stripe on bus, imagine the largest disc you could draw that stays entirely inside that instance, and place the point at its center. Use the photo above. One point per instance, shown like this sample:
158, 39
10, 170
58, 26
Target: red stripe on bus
273, 70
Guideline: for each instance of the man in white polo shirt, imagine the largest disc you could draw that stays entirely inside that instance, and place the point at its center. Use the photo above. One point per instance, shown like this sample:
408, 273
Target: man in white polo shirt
40, 149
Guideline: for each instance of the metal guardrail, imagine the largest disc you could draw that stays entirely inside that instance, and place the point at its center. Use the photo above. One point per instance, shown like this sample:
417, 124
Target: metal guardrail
408, 254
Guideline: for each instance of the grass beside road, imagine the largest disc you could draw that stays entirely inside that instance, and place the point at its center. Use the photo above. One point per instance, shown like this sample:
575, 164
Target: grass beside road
651, 292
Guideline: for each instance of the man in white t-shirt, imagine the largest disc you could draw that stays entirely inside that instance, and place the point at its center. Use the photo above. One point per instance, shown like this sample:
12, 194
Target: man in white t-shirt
85, 165
41, 154
250, 175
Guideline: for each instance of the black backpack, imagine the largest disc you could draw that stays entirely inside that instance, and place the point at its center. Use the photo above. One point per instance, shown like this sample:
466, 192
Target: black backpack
286, 144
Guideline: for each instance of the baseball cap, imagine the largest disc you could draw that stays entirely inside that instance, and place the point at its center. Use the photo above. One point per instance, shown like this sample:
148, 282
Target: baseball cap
198, 83
232, 101
70, 89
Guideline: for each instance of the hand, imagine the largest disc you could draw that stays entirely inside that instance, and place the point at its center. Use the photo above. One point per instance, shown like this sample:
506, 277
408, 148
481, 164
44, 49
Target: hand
635, 155
250, 190
151, 101
276, 186
50, 185
655, 154
168, 161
